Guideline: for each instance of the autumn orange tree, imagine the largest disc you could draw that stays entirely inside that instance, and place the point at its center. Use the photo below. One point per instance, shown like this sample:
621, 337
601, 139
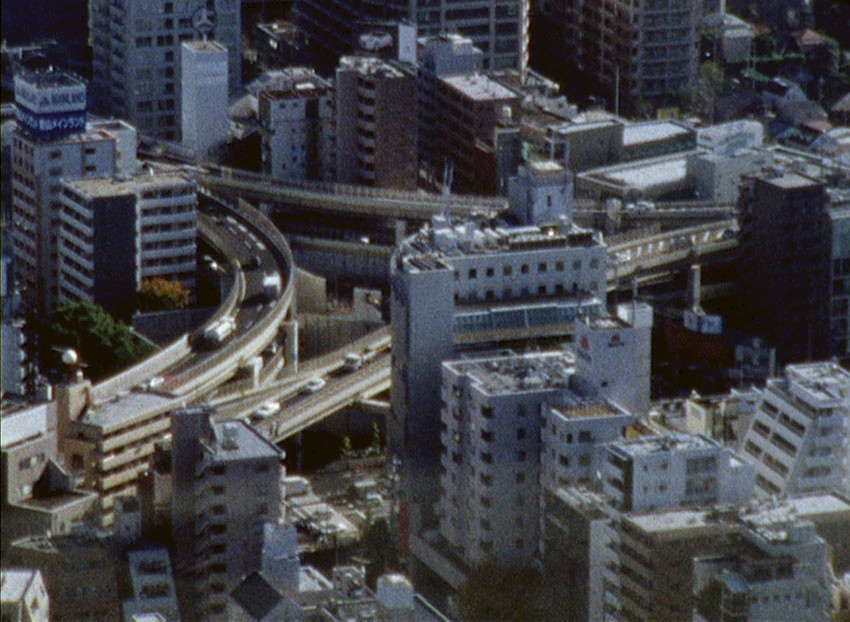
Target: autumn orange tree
159, 294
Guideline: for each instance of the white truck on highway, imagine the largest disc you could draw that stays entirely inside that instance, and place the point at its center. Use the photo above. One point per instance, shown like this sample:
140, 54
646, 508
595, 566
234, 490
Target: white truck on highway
271, 285
217, 333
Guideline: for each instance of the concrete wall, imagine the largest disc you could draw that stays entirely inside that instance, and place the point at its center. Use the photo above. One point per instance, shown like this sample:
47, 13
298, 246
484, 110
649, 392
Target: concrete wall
162, 327
319, 334
310, 292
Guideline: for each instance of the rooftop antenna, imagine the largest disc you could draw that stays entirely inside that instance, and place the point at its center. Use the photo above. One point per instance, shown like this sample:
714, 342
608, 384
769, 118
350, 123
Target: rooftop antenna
448, 176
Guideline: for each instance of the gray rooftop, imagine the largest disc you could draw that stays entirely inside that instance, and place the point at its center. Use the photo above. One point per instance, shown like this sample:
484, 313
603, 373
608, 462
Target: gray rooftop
14, 583
662, 443
523, 373
479, 87
650, 131
236, 440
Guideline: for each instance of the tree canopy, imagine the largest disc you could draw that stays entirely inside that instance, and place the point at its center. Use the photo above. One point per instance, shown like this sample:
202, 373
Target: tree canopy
159, 294
104, 345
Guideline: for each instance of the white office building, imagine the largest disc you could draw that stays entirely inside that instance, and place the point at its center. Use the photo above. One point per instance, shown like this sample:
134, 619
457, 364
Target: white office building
467, 284
203, 103
799, 435
678, 470
50, 142
115, 234
296, 111
136, 56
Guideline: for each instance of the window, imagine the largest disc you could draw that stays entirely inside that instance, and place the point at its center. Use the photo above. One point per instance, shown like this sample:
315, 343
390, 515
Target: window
520, 456
507, 270
486, 436
584, 436
487, 412
559, 266
524, 268
564, 460
473, 273
520, 477
541, 267
520, 434
490, 272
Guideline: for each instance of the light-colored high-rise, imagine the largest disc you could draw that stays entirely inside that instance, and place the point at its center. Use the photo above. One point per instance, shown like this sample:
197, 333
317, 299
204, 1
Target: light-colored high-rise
136, 55
800, 432
203, 106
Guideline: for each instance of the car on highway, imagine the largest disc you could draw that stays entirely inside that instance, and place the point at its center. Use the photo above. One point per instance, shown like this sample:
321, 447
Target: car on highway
314, 384
267, 410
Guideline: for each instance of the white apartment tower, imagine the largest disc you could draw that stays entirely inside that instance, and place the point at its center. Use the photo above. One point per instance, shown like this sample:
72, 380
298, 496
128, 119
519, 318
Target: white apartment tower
203, 106
226, 487
490, 452
52, 141
679, 470
136, 55
799, 435
297, 118
115, 234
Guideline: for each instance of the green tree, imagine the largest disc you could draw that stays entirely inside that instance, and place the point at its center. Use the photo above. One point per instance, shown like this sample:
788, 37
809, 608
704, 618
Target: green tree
159, 294
347, 449
376, 438
104, 345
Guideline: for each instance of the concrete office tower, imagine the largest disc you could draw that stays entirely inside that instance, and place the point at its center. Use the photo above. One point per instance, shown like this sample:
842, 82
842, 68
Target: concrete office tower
640, 52
542, 192
115, 234
498, 27
795, 263
440, 56
614, 356
471, 284
297, 119
136, 56
52, 141
800, 433
23, 595
226, 487
376, 123
679, 470
490, 453
203, 106
777, 570
473, 111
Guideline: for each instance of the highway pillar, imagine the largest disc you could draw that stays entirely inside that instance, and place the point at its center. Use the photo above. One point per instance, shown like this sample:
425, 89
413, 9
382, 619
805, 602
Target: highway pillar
290, 329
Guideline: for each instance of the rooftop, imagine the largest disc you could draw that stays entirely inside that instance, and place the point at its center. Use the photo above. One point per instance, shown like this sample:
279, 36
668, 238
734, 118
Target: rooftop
24, 424
824, 381
519, 373
126, 408
650, 131
479, 87
292, 82
670, 442
785, 179
98, 187
236, 440
256, 596
574, 406
14, 583
370, 66
443, 239
201, 45
646, 174
48, 79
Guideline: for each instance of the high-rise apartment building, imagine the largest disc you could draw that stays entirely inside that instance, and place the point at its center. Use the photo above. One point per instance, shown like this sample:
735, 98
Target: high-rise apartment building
800, 433
136, 56
439, 57
490, 453
297, 118
795, 263
376, 122
226, 487
203, 104
497, 27
636, 52
117, 233
52, 141
476, 117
